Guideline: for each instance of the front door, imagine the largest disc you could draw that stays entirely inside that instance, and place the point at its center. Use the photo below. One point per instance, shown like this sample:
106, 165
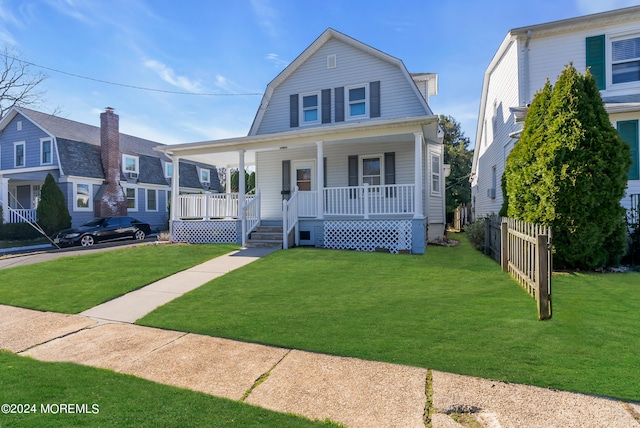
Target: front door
304, 176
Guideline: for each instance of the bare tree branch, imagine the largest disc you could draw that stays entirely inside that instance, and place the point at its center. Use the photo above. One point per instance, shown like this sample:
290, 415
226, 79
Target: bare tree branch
19, 84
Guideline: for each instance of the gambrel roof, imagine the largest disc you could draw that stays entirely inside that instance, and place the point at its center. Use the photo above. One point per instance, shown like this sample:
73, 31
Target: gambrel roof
324, 38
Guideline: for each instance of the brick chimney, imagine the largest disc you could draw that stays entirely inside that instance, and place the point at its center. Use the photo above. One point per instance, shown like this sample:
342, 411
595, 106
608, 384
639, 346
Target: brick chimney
110, 199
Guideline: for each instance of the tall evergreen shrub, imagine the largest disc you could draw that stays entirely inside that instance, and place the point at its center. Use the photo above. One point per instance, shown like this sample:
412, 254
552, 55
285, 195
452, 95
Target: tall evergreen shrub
569, 171
53, 214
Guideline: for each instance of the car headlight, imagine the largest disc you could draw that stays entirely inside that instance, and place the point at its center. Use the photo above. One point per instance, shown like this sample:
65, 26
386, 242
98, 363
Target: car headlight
71, 235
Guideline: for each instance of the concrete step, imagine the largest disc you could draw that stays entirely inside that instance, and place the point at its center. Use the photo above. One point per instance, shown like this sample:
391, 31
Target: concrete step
269, 229
266, 235
264, 243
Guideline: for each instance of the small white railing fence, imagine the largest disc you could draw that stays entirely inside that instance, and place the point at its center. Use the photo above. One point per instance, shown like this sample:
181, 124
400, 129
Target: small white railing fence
209, 206
369, 200
290, 217
252, 210
22, 215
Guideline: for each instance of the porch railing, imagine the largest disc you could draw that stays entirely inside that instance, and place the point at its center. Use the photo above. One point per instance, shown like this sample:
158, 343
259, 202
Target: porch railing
367, 200
210, 206
290, 216
252, 208
22, 215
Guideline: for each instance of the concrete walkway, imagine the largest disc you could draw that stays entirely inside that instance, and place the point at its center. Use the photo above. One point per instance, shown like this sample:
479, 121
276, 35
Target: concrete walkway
133, 306
350, 391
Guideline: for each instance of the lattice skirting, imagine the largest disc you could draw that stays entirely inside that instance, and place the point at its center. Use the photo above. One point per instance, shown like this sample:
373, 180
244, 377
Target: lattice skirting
206, 232
368, 235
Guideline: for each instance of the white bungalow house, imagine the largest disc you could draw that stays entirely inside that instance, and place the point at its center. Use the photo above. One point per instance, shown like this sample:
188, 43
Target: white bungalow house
347, 155
608, 43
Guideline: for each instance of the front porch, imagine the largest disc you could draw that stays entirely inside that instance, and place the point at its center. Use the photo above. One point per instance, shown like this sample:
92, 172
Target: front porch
364, 217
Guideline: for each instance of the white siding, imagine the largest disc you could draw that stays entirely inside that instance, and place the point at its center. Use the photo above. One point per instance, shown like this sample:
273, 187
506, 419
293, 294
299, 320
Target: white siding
435, 207
353, 66
502, 93
269, 168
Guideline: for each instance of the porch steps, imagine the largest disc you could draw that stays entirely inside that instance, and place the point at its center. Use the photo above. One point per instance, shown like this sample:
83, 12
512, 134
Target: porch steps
266, 236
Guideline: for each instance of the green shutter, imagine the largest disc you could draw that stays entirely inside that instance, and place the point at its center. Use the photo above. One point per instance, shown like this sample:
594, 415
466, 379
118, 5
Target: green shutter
596, 59
628, 130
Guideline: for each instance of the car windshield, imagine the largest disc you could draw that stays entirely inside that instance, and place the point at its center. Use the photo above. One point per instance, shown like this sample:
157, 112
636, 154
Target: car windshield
94, 222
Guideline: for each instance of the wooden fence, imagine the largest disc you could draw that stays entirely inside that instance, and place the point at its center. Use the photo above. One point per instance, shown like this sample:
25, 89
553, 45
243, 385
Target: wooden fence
461, 216
525, 252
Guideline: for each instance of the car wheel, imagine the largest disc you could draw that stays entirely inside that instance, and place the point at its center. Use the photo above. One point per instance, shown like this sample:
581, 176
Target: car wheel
86, 241
140, 235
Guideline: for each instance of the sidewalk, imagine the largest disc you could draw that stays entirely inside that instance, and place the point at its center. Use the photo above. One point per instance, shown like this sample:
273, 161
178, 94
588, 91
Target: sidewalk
350, 391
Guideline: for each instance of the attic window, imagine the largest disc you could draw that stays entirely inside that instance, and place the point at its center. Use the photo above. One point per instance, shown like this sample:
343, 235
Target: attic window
19, 125
130, 164
331, 61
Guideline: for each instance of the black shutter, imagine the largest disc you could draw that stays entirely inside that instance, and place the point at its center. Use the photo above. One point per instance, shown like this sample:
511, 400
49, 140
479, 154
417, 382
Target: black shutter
339, 100
286, 179
595, 58
353, 175
293, 111
326, 106
374, 91
390, 172
324, 174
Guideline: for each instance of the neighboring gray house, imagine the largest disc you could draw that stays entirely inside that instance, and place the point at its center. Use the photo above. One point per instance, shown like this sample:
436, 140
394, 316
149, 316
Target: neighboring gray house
33, 144
347, 154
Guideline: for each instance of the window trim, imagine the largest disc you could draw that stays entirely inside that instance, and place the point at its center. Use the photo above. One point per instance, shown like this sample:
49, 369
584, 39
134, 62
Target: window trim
609, 55
146, 197
89, 206
200, 175
135, 198
302, 120
435, 174
361, 159
42, 142
136, 161
348, 103
24, 154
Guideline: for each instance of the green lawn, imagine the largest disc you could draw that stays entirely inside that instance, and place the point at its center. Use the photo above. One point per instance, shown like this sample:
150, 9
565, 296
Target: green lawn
76, 283
121, 400
451, 309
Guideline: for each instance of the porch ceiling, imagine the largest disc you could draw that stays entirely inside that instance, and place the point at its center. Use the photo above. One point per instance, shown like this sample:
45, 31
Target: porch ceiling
226, 152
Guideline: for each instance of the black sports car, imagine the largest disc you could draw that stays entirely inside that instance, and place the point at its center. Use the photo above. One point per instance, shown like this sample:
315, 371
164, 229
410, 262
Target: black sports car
102, 229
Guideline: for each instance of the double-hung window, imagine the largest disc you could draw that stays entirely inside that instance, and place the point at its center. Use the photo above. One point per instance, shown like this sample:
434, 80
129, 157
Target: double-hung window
310, 107
357, 102
131, 193
625, 60
372, 170
82, 193
46, 151
435, 174
152, 200
19, 154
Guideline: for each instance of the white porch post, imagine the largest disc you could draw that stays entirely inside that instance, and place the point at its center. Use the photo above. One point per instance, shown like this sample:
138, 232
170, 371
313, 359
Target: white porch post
320, 179
228, 178
241, 197
4, 198
175, 195
418, 174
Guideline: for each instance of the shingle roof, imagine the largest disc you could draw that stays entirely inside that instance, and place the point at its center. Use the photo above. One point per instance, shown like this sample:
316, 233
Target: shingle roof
79, 151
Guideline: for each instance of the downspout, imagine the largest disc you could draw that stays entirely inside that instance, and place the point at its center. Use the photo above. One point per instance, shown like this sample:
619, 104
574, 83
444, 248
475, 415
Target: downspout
525, 73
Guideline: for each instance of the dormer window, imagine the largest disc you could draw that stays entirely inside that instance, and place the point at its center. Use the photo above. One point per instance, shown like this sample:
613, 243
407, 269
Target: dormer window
205, 176
168, 169
130, 166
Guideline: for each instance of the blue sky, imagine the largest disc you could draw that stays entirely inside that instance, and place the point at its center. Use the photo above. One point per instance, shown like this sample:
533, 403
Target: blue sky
235, 48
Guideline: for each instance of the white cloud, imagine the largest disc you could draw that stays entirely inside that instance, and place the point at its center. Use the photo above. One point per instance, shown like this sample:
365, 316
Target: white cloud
168, 75
593, 6
266, 14
276, 61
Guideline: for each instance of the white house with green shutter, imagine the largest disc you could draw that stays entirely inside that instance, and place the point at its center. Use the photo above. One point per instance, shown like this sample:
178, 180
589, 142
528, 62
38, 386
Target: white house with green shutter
347, 155
607, 43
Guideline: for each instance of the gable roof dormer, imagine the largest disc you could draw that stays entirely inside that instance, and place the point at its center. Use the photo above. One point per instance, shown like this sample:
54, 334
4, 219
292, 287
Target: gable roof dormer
272, 99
